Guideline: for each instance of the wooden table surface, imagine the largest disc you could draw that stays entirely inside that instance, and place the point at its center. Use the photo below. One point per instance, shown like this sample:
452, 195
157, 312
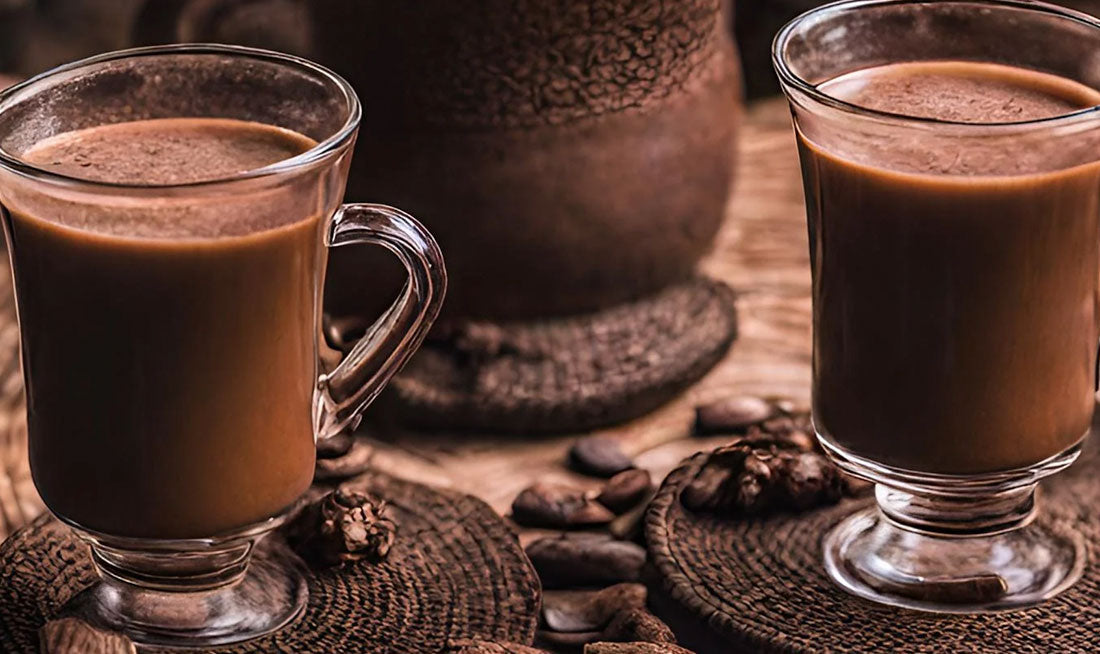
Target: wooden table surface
761, 252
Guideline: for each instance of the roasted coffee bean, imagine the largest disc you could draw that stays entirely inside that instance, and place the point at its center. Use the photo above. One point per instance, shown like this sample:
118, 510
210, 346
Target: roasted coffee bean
334, 446
468, 646
558, 506
598, 455
352, 464
637, 624
731, 415
577, 560
634, 648
625, 490
579, 610
73, 636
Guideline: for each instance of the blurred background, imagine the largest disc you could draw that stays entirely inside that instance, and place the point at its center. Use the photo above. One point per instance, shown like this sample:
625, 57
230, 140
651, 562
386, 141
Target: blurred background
38, 34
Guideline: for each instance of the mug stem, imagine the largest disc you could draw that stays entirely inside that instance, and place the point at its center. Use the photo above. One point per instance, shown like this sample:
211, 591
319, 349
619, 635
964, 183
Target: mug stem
192, 592
933, 543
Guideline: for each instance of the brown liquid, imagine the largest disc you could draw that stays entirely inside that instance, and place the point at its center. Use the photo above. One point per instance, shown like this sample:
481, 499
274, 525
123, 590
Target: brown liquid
169, 345
955, 300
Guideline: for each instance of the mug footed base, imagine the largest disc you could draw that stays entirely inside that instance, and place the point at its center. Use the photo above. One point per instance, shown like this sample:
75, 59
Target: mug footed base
953, 543
267, 592
871, 557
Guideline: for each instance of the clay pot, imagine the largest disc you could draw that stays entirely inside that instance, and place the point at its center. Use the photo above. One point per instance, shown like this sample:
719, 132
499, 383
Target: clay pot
568, 154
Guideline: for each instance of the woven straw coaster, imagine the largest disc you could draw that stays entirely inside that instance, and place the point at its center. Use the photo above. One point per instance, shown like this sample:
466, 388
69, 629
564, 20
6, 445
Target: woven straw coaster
568, 374
760, 585
455, 571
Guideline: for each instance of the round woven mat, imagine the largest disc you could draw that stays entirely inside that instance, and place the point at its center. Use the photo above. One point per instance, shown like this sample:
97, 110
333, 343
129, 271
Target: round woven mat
760, 585
455, 571
569, 374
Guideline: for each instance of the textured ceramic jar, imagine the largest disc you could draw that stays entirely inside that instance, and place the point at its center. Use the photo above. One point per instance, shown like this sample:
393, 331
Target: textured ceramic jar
568, 154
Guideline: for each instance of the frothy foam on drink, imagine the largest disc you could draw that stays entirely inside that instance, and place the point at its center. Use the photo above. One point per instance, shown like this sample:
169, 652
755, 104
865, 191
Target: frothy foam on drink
958, 92
166, 152
962, 92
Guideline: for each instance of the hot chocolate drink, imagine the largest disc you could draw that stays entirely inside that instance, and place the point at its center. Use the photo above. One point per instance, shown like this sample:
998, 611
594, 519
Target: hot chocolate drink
955, 291
169, 344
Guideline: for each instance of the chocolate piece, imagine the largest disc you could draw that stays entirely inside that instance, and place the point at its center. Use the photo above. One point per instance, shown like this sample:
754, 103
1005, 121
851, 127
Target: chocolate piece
625, 490
599, 455
573, 560
557, 506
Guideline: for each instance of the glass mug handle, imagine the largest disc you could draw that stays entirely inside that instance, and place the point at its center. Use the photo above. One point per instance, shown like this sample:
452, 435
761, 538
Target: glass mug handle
345, 392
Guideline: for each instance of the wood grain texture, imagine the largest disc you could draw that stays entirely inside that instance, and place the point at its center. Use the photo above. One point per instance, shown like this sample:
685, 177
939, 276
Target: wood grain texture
761, 252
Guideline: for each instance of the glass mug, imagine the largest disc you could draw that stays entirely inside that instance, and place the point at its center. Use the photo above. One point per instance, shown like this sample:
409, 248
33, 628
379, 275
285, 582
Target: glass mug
955, 299
170, 332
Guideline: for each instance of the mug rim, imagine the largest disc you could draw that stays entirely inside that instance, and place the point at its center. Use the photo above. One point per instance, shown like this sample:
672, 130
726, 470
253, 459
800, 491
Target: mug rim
334, 143
792, 81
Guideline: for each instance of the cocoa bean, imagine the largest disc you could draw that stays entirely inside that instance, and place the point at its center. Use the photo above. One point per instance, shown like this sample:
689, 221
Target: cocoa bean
625, 490
637, 624
731, 415
628, 526
573, 560
598, 455
334, 446
352, 464
788, 406
578, 611
558, 506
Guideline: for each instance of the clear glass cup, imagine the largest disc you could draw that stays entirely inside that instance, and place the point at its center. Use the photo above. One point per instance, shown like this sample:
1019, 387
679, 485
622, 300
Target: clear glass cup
955, 290
170, 333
